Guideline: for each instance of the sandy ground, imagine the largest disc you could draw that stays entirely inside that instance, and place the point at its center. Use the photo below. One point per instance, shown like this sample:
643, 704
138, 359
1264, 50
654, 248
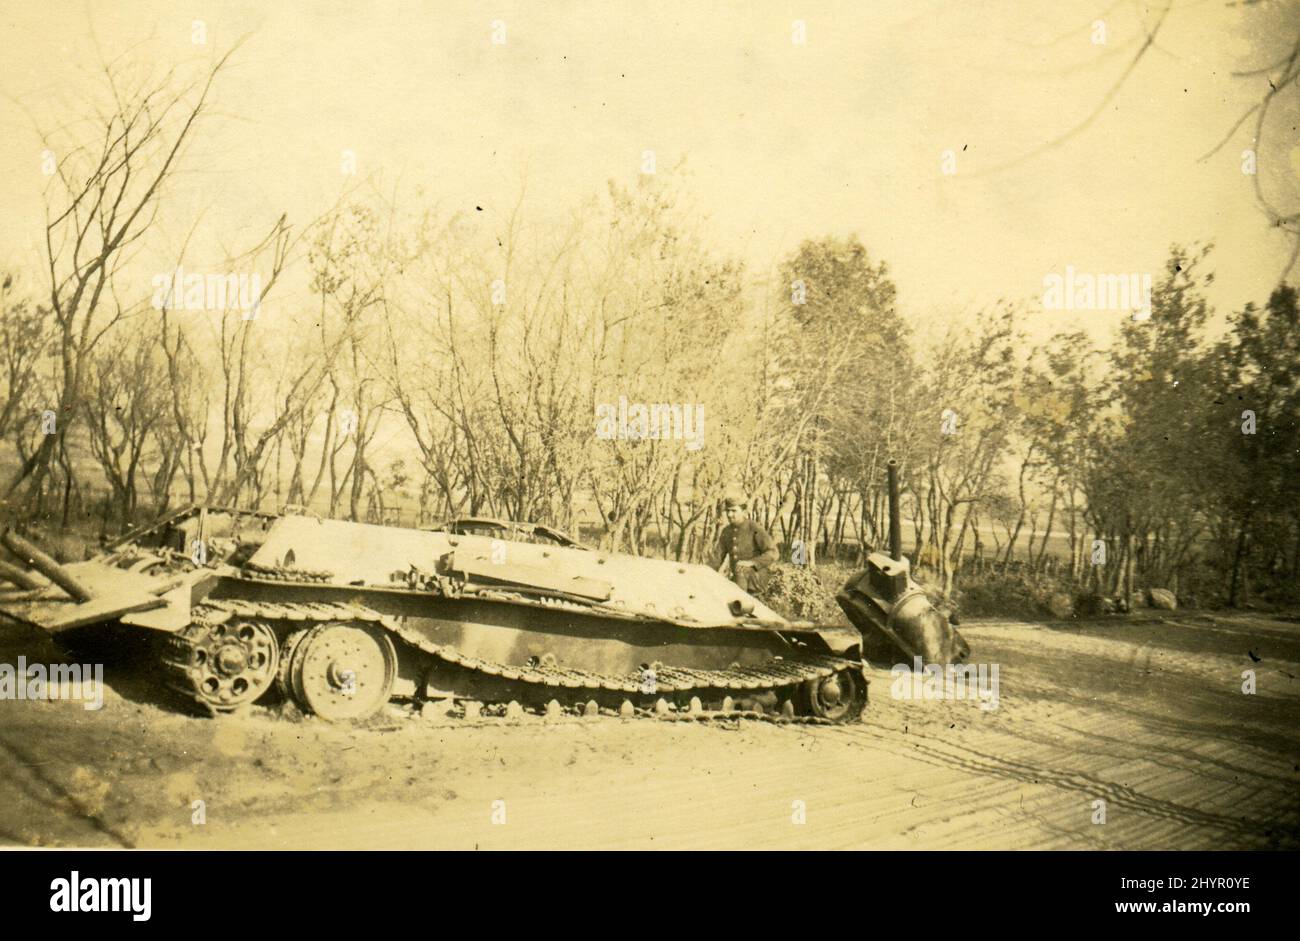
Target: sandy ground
1146, 716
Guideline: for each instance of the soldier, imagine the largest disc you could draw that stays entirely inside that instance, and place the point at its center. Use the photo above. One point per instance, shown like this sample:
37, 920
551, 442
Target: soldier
744, 546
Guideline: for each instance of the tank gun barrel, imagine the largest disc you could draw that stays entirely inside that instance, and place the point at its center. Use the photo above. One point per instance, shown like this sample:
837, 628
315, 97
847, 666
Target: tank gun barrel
895, 514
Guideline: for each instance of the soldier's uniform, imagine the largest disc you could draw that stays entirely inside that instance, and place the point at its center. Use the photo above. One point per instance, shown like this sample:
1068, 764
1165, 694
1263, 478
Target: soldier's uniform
746, 541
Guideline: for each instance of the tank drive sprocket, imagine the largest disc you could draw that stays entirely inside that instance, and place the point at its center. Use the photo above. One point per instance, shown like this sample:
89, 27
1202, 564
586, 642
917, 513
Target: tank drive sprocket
221, 661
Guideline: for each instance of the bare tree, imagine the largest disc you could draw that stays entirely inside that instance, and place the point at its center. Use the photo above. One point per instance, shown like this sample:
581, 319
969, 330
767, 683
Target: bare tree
126, 400
104, 198
24, 344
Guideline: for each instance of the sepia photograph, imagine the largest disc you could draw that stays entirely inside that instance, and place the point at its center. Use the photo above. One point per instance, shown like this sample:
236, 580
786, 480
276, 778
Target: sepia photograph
777, 425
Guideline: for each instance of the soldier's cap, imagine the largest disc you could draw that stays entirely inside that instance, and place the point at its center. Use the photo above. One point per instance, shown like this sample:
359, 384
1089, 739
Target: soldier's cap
733, 501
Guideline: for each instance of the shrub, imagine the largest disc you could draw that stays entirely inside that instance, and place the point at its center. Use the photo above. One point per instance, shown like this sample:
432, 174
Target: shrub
1016, 594
800, 593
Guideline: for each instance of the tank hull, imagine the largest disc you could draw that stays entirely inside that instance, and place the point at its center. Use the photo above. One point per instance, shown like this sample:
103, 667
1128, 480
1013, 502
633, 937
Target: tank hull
340, 617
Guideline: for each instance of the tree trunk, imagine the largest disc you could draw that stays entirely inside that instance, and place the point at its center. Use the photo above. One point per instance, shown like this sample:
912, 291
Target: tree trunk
1238, 560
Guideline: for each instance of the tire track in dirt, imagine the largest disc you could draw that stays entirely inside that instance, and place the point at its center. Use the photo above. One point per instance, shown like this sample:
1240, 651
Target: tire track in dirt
1142, 749
1092, 784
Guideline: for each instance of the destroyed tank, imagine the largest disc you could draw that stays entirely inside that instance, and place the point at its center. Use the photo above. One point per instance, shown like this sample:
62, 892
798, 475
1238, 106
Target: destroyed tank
340, 617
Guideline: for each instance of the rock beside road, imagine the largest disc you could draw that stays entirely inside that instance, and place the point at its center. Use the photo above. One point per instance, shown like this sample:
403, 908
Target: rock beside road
1163, 599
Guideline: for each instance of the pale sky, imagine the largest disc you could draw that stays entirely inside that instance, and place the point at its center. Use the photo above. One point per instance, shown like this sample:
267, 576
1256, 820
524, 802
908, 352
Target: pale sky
782, 141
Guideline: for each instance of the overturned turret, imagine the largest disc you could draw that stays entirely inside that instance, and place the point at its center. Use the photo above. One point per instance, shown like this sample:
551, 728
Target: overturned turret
893, 613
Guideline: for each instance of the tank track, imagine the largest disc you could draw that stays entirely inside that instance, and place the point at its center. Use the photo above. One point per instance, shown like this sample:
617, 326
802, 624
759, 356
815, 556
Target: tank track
661, 691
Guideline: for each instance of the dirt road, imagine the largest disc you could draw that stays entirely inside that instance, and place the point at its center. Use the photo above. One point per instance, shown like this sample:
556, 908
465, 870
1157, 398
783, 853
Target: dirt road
1147, 717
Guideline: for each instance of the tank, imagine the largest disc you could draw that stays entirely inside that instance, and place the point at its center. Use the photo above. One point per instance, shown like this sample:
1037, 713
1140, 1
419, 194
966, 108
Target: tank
340, 617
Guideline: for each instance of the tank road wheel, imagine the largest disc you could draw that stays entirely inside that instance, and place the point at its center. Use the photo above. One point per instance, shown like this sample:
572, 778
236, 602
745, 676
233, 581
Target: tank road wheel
343, 670
231, 664
839, 697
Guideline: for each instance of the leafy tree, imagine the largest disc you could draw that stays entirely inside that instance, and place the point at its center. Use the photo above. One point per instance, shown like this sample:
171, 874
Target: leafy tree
841, 362
1258, 431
